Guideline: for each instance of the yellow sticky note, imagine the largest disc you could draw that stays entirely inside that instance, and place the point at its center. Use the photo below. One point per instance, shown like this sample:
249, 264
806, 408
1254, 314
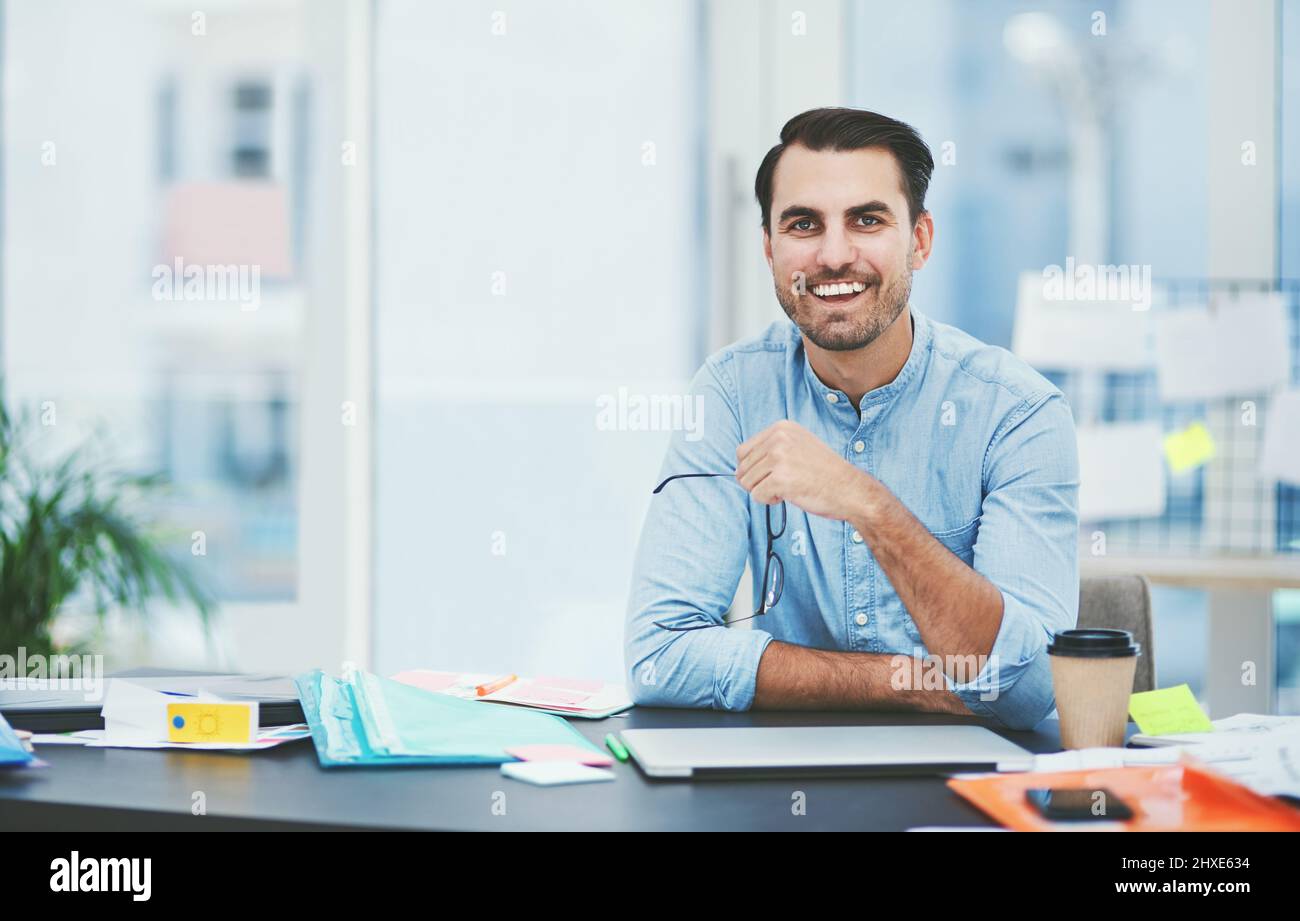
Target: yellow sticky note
1188, 449
1168, 711
209, 722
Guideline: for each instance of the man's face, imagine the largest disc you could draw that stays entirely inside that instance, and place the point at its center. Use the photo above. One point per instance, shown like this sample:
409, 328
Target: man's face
840, 217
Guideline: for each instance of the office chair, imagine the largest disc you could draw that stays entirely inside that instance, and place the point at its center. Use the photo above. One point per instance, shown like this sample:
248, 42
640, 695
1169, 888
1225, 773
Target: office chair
1122, 603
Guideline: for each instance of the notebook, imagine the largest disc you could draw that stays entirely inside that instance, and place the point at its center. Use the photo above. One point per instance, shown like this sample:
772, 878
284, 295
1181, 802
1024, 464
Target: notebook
575, 697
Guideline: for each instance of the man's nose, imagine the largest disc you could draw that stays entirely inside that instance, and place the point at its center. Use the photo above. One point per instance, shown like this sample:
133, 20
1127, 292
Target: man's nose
837, 251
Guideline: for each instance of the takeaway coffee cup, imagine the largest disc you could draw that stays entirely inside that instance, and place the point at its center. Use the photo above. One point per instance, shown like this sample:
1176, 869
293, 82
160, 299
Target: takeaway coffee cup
1092, 674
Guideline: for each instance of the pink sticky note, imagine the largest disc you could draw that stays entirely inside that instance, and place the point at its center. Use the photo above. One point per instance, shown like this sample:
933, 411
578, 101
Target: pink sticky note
559, 753
429, 681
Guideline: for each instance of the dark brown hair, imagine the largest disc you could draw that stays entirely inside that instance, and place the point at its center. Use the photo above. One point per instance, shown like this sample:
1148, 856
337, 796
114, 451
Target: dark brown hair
851, 129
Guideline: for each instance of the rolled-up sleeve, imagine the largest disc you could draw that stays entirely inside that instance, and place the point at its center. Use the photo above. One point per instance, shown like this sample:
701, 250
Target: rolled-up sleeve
1027, 546
689, 561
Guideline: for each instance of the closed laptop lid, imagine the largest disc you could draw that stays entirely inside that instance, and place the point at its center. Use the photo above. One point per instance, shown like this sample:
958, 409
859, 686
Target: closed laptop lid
819, 749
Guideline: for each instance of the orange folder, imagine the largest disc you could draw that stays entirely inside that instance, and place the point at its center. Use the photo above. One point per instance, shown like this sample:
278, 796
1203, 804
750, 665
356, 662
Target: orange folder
1166, 797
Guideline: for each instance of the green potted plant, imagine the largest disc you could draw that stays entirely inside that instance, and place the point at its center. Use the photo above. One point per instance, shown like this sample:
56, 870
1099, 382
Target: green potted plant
69, 529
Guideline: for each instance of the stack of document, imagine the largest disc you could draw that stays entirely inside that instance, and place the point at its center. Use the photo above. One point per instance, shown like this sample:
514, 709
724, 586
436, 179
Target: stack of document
1243, 729
1260, 752
578, 697
137, 717
363, 719
61, 705
267, 737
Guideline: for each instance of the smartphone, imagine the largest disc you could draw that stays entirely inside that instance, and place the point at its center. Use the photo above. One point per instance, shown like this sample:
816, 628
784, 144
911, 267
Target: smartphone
1062, 804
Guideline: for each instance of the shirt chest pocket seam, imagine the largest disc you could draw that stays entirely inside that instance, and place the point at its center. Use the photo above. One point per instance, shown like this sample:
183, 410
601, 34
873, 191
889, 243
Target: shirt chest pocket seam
961, 541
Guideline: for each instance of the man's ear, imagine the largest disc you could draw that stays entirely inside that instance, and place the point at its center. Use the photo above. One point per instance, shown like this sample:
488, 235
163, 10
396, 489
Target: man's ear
767, 248
922, 240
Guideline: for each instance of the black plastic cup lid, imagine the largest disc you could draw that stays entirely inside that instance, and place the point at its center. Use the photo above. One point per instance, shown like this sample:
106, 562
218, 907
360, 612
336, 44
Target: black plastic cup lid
1094, 644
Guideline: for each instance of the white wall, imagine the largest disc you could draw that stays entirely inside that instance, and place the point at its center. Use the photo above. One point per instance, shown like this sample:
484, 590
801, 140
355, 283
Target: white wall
524, 153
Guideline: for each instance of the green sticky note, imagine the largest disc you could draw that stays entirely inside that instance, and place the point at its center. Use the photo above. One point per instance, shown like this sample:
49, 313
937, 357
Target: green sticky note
1168, 711
1188, 449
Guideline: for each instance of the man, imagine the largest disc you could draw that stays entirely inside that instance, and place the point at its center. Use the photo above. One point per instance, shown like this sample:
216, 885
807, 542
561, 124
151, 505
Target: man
929, 482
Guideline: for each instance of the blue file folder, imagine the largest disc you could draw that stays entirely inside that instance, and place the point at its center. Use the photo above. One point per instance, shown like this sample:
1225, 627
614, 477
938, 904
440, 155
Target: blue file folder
12, 753
363, 719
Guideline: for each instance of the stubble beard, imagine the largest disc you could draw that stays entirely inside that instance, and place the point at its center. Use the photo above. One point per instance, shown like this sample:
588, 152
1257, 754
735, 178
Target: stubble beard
835, 334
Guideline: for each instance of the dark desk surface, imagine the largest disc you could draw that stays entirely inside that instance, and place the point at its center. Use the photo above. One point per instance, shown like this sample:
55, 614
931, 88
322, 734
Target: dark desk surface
285, 788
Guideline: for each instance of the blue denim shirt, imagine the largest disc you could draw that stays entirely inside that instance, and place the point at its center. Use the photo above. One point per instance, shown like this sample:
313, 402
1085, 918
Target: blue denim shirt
979, 446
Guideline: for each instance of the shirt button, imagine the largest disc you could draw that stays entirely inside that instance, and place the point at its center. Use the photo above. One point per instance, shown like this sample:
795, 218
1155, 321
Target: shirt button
861, 620
857, 538
832, 398
859, 446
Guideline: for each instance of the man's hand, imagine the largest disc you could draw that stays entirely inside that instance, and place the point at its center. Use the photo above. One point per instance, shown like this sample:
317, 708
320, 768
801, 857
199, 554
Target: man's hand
786, 462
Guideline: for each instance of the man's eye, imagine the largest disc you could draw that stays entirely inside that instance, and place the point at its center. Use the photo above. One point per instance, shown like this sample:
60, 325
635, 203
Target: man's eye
867, 217
796, 224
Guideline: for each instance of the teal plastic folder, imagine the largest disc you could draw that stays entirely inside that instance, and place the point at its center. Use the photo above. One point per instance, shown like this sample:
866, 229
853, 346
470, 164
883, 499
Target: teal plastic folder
363, 719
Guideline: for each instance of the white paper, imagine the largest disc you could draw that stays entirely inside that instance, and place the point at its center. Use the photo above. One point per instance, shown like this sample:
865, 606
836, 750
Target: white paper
1086, 335
1263, 753
132, 712
1239, 349
1093, 759
1247, 724
1239, 729
1121, 471
608, 699
1280, 457
1274, 770
269, 738
1260, 751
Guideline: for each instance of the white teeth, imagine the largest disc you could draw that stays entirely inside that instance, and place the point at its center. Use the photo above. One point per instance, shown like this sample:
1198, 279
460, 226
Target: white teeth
839, 288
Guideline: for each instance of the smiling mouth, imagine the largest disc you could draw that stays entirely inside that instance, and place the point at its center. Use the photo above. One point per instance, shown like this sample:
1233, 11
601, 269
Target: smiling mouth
837, 294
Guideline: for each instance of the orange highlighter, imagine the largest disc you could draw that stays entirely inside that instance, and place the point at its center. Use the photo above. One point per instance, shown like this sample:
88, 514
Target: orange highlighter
483, 690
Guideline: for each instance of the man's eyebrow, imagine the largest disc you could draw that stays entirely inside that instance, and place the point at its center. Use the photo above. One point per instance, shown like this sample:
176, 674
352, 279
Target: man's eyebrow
799, 211
867, 208
871, 207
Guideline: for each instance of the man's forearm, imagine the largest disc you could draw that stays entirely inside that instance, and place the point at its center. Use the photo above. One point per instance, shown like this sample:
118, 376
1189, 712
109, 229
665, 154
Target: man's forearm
798, 678
957, 611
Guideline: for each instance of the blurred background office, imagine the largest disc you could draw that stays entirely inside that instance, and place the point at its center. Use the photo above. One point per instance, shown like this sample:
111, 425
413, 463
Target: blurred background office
476, 223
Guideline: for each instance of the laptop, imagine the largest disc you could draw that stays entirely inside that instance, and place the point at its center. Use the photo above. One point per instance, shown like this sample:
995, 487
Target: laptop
820, 751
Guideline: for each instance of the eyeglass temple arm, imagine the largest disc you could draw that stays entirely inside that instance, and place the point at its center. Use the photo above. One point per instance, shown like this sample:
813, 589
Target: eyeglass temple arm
682, 476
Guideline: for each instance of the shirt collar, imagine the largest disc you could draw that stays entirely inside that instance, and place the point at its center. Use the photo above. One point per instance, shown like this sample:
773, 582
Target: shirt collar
922, 337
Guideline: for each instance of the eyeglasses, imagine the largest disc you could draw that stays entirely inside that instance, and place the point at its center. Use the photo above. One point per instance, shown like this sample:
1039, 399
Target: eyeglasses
773, 568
